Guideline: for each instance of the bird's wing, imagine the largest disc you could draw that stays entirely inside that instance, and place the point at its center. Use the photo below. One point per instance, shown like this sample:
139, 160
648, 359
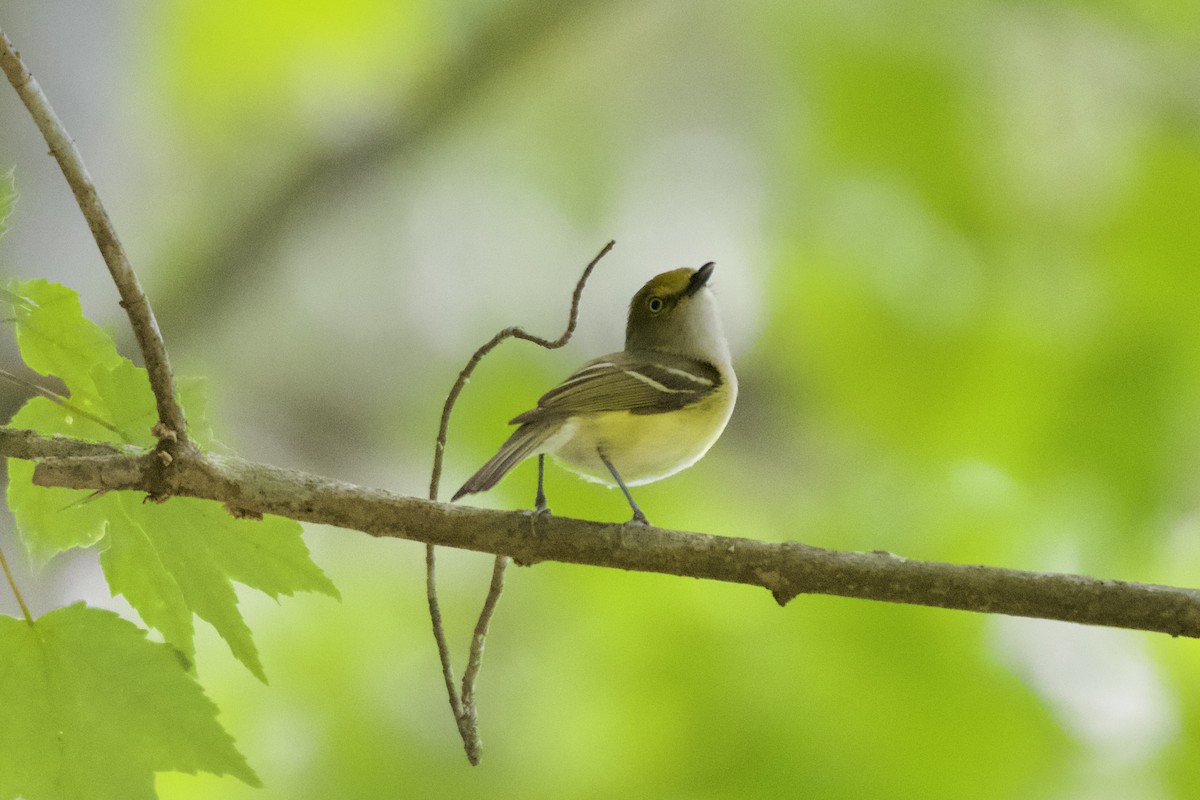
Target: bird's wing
650, 384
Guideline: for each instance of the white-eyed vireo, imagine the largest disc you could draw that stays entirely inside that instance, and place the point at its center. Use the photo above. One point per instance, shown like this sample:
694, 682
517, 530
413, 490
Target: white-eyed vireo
639, 415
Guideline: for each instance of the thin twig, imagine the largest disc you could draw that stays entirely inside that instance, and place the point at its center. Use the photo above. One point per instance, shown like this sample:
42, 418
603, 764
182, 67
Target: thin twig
465, 714
133, 299
514, 332
12, 583
439, 634
785, 568
481, 631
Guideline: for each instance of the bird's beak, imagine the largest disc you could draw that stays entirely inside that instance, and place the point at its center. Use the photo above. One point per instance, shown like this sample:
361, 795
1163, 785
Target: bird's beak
699, 279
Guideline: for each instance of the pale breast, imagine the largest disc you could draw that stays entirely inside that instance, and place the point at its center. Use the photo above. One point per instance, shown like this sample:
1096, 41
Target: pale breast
644, 447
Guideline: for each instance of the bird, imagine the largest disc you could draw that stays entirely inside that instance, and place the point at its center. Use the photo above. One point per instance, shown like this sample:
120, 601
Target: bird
640, 414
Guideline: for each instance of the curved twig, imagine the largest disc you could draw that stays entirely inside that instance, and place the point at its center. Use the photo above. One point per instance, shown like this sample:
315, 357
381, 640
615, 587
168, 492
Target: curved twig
463, 705
12, 584
513, 332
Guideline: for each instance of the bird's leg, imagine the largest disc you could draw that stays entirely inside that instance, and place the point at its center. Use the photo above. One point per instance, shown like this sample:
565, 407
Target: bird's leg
539, 502
638, 516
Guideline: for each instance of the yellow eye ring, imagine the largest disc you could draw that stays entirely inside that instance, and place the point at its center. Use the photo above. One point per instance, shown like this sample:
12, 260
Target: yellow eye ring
655, 305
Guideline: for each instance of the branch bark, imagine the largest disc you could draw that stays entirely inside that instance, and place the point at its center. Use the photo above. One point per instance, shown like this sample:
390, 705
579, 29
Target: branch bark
786, 569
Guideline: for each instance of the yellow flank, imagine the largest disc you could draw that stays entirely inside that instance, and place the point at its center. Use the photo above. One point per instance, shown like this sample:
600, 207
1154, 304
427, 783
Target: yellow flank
641, 414
643, 447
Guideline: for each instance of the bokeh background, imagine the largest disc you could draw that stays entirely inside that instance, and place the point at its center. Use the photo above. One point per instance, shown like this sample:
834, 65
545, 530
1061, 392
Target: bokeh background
958, 248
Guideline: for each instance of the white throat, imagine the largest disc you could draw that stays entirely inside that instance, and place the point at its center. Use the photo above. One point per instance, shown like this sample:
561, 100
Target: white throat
703, 336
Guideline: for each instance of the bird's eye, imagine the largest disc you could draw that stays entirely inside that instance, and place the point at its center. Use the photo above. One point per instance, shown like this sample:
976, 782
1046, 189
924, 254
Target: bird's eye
655, 305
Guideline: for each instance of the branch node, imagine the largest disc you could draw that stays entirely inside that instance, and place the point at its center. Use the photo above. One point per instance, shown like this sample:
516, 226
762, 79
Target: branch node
782, 597
888, 554
162, 432
780, 587
237, 512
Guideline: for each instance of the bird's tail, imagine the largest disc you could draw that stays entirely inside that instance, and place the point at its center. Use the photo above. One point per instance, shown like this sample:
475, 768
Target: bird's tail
523, 443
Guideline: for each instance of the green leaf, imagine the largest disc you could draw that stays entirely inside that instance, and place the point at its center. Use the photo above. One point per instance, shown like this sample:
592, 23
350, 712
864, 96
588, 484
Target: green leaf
180, 557
134, 568
92, 709
53, 520
56, 339
193, 396
8, 198
170, 561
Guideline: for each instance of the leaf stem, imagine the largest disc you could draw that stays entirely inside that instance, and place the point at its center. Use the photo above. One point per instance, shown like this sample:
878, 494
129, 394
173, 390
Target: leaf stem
54, 396
12, 584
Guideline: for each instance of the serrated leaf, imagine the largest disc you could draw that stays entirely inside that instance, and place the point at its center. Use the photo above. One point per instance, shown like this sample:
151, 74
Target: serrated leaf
53, 520
201, 548
193, 397
55, 338
92, 709
170, 561
125, 400
132, 565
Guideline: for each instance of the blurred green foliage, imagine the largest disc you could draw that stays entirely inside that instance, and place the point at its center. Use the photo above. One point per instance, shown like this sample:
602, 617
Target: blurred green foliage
958, 255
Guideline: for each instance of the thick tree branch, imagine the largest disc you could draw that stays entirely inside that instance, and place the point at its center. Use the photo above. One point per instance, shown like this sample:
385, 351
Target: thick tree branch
133, 299
785, 568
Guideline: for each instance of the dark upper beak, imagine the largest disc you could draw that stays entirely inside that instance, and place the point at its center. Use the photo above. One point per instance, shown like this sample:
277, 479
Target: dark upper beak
699, 279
